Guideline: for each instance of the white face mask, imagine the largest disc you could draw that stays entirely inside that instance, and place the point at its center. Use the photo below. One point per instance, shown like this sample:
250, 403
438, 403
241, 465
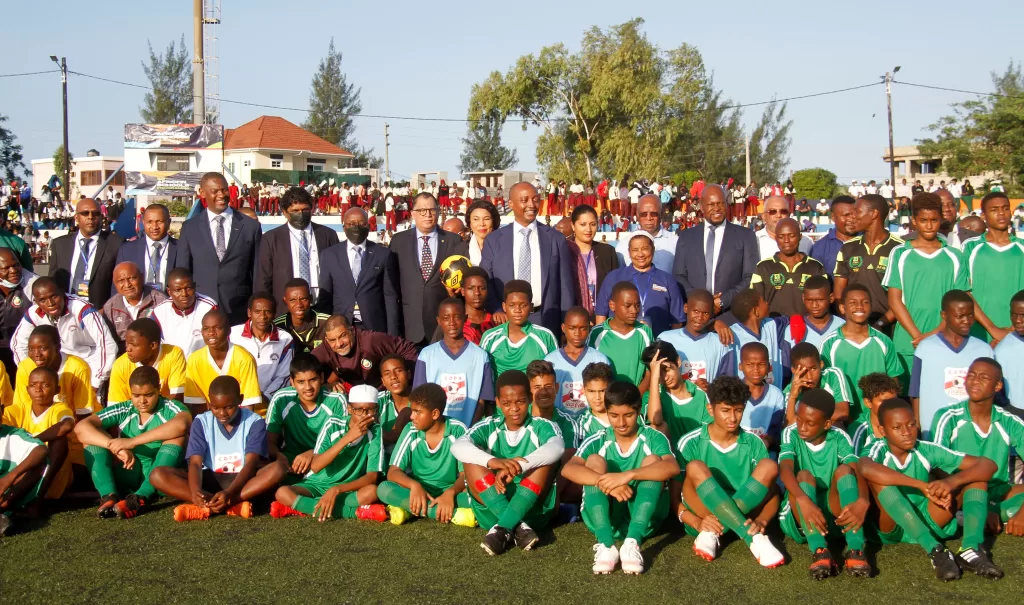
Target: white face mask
9, 285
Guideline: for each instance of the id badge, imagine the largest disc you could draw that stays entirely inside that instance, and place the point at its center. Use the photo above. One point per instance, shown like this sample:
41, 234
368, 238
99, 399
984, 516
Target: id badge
83, 289
156, 286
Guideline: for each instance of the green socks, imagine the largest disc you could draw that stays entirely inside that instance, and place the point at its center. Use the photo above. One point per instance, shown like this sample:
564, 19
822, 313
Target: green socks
168, 455
723, 507
496, 503
597, 512
750, 495
815, 540
975, 513
99, 461
646, 496
393, 494
849, 491
307, 504
903, 513
1010, 506
526, 495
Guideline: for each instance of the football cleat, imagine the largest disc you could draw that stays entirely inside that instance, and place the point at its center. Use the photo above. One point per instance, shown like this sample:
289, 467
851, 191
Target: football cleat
705, 545
524, 536
944, 564
978, 561
631, 559
857, 564
398, 515
605, 559
464, 517
372, 512
242, 509
822, 564
280, 511
129, 507
191, 512
496, 541
765, 552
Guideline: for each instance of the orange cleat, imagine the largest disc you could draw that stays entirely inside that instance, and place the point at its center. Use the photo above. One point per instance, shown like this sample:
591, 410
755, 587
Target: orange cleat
129, 507
191, 512
242, 509
372, 512
280, 511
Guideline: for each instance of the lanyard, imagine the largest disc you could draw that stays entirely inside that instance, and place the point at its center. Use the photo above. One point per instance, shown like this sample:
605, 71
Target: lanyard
83, 258
587, 260
643, 292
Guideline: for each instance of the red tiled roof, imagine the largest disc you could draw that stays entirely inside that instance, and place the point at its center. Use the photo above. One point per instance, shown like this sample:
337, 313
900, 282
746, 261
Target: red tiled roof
272, 132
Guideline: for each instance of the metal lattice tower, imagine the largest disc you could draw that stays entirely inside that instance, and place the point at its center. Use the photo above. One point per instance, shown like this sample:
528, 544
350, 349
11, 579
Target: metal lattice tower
211, 62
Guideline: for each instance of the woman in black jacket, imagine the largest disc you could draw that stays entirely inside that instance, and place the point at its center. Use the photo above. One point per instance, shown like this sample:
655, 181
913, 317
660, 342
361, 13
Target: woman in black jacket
593, 260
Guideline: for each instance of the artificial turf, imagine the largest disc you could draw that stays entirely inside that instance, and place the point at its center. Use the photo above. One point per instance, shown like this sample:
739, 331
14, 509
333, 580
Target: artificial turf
73, 557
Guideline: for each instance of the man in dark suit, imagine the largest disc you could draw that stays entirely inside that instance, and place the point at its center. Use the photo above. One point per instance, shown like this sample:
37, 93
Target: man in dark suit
416, 255
293, 250
155, 252
220, 247
532, 252
356, 280
82, 263
733, 253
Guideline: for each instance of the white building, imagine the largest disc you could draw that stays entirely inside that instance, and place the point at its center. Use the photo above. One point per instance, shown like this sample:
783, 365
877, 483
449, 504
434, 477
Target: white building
274, 143
492, 178
87, 174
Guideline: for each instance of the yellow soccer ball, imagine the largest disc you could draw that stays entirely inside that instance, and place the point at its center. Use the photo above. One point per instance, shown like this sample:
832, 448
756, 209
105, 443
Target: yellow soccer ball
451, 271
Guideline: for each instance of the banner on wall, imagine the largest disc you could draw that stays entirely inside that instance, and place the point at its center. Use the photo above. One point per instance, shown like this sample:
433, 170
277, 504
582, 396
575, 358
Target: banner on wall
161, 183
173, 136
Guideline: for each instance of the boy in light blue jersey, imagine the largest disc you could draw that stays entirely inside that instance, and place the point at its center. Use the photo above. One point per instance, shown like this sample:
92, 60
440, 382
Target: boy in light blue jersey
754, 325
570, 360
765, 412
702, 356
460, 367
1010, 351
818, 320
941, 360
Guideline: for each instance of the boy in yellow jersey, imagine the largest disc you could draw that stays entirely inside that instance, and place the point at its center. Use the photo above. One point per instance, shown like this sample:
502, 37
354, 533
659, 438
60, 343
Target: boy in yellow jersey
72, 371
49, 421
220, 358
142, 348
6, 389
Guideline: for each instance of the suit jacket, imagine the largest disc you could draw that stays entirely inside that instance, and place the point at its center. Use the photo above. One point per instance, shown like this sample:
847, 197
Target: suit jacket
274, 268
556, 272
606, 261
229, 281
101, 278
136, 251
376, 292
420, 299
737, 259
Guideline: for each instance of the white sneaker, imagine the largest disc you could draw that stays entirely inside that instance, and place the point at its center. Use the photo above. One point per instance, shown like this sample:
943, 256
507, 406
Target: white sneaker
632, 560
706, 545
765, 552
605, 558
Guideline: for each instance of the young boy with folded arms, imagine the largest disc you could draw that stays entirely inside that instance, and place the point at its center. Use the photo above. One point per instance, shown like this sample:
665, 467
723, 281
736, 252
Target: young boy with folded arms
50, 421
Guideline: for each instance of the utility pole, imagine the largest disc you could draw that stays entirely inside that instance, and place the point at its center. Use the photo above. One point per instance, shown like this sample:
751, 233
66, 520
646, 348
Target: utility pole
198, 74
387, 162
63, 64
888, 99
747, 147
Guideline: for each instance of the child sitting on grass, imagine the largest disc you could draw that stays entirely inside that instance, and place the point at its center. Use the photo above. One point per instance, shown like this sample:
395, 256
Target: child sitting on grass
49, 421
22, 464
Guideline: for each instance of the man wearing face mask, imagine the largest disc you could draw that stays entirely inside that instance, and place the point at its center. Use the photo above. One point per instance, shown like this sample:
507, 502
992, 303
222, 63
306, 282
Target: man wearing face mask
357, 280
293, 250
16, 289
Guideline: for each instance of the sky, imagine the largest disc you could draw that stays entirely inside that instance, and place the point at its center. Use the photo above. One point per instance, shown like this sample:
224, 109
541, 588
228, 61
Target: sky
419, 59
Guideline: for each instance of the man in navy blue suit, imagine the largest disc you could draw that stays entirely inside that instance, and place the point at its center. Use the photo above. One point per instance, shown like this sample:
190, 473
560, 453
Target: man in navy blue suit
717, 255
220, 247
532, 252
154, 252
356, 280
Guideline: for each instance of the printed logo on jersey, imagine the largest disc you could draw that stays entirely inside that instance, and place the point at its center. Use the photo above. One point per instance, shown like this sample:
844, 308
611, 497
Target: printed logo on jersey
694, 370
366, 363
572, 396
954, 383
777, 279
803, 280
856, 262
455, 386
228, 463
883, 262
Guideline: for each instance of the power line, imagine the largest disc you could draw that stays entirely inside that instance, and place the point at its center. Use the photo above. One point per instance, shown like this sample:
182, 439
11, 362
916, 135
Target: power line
969, 92
30, 73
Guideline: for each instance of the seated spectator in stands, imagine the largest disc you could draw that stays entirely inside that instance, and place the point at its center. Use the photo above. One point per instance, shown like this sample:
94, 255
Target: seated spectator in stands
271, 346
180, 316
133, 300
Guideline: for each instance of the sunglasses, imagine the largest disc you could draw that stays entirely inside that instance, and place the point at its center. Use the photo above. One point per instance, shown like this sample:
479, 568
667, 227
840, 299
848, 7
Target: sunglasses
647, 214
776, 211
89, 213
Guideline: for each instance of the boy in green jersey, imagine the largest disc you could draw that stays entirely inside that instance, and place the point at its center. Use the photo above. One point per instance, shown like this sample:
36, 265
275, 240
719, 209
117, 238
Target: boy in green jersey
918, 486
596, 379
517, 342
544, 393
424, 478
728, 480
297, 413
856, 349
347, 461
623, 473
995, 263
875, 388
152, 434
622, 338
511, 463
673, 405
809, 372
825, 495
968, 427
393, 404
920, 272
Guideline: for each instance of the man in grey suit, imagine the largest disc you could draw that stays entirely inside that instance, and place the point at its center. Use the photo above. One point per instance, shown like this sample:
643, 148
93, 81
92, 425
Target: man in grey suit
716, 256
220, 247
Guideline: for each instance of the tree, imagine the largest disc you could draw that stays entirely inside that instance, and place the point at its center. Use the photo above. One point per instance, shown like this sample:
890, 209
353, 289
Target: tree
58, 166
365, 158
483, 149
815, 183
170, 76
332, 101
984, 135
10, 153
769, 144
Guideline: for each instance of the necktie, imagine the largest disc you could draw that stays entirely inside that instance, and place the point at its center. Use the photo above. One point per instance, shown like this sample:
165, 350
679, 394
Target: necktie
525, 256
81, 269
357, 263
709, 260
218, 237
154, 264
304, 257
426, 259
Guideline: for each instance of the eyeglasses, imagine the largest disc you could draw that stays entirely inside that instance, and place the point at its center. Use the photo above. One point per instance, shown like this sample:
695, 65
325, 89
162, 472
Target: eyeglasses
778, 211
647, 214
425, 211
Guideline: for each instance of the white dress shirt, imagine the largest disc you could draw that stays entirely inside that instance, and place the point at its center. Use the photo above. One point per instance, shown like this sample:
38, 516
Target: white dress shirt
213, 226
431, 243
475, 252
768, 246
77, 256
314, 257
517, 241
161, 271
353, 257
719, 236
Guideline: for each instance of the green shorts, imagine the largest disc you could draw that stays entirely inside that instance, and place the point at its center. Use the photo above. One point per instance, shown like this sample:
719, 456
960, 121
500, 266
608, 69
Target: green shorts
898, 536
315, 487
621, 513
539, 517
791, 525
